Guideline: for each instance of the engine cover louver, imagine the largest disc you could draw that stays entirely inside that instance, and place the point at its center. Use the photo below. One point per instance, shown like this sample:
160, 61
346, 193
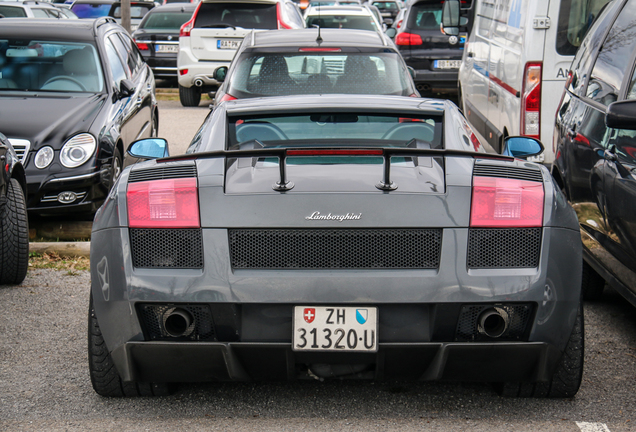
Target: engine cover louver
162, 173
507, 172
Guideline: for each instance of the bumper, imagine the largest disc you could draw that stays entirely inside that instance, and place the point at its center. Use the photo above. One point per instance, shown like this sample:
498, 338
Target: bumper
190, 362
440, 81
202, 70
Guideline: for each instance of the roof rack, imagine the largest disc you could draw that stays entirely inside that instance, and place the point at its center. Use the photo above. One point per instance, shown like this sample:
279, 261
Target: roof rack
103, 20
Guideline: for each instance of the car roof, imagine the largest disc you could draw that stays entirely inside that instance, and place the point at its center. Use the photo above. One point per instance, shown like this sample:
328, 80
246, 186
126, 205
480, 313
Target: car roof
174, 7
335, 103
242, 1
307, 37
28, 3
48, 29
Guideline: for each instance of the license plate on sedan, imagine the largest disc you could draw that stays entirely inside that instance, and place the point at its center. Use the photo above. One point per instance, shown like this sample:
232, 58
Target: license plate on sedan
447, 64
228, 43
327, 328
167, 48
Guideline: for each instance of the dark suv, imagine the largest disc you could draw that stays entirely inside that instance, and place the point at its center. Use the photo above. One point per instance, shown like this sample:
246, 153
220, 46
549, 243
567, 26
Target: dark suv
436, 57
595, 148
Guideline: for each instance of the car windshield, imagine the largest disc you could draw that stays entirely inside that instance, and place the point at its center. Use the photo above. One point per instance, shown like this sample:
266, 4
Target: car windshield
87, 10
136, 11
342, 21
52, 66
349, 129
273, 74
165, 21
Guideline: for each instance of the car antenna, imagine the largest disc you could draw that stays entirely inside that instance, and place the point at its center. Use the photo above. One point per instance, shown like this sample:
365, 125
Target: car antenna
319, 38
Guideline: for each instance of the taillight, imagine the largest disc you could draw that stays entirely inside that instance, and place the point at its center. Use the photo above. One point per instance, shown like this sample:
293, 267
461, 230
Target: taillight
504, 202
398, 24
531, 101
142, 46
172, 203
187, 27
281, 23
227, 97
408, 39
183, 71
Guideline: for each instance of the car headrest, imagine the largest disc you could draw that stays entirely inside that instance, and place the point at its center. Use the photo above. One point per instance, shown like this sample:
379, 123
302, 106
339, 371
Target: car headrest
79, 62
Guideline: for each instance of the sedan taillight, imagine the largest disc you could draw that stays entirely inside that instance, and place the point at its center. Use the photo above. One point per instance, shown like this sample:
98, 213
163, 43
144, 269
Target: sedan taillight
170, 203
504, 202
408, 39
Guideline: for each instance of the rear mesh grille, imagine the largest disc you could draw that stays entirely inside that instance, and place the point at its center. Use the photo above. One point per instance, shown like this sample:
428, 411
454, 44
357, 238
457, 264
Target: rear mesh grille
152, 318
166, 248
467, 326
335, 248
504, 247
507, 172
169, 172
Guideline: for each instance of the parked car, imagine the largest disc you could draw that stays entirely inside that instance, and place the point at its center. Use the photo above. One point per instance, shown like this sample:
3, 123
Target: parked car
210, 39
73, 95
339, 17
277, 63
14, 223
433, 55
511, 77
389, 10
305, 237
30, 9
596, 149
101, 8
157, 37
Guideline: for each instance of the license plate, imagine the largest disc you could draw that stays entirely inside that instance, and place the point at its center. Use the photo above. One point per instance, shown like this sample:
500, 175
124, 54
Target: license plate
167, 48
326, 328
447, 64
228, 43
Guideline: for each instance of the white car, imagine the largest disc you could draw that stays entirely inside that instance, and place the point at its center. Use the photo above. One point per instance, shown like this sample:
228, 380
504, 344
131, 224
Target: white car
215, 31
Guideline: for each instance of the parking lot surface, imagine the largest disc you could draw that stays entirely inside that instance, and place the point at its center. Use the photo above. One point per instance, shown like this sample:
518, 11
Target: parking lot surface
44, 383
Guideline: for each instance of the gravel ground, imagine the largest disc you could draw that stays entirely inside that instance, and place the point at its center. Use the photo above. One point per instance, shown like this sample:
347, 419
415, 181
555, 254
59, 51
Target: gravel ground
44, 382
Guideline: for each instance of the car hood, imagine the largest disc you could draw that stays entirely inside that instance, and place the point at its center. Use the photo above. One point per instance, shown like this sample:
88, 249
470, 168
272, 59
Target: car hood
49, 120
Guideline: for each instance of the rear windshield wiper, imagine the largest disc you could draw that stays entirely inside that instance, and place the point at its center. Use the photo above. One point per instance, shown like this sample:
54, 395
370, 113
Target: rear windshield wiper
218, 25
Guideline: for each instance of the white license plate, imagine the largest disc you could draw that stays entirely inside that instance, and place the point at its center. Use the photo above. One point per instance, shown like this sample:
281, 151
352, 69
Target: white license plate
167, 48
447, 64
228, 43
331, 328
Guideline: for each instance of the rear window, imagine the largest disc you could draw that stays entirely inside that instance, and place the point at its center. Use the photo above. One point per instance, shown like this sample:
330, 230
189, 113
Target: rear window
165, 21
136, 11
575, 19
245, 15
342, 21
273, 74
336, 130
386, 6
425, 16
12, 12
85, 10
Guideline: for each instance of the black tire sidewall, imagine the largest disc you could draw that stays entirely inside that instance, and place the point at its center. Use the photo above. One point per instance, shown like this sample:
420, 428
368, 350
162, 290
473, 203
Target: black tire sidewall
14, 236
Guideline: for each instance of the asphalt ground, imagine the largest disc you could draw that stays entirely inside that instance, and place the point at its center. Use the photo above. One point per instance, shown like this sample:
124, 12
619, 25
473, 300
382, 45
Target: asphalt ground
45, 385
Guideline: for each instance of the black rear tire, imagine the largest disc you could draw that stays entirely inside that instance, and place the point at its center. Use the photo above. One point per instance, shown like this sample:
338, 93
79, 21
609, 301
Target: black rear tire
189, 97
14, 236
592, 283
567, 377
105, 379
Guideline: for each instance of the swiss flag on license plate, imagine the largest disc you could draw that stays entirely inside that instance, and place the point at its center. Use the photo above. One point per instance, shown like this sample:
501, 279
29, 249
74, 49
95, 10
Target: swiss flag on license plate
309, 314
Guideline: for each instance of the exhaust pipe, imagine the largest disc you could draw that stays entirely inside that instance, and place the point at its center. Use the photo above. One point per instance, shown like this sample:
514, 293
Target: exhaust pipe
178, 322
198, 82
493, 322
423, 87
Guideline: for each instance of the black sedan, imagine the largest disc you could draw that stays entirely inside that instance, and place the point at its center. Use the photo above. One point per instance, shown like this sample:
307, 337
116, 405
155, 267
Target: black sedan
14, 224
336, 236
73, 96
157, 37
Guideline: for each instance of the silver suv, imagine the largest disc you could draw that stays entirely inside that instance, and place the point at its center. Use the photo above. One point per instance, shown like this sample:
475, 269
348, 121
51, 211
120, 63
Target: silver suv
215, 31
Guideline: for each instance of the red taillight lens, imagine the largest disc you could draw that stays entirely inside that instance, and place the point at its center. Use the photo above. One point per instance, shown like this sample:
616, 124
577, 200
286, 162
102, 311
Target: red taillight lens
227, 97
408, 39
172, 203
142, 46
183, 71
281, 23
398, 24
531, 101
503, 202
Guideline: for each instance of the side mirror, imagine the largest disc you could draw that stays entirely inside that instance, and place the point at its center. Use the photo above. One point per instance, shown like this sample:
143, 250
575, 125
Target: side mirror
149, 148
621, 115
220, 73
522, 147
390, 32
450, 17
126, 88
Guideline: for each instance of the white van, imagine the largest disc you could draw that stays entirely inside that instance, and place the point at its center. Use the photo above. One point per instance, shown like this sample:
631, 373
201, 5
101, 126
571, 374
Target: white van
515, 64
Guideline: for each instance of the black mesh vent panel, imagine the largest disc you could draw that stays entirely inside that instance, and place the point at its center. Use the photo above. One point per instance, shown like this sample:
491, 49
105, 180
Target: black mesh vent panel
335, 248
508, 172
166, 248
504, 247
161, 173
518, 316
153, 316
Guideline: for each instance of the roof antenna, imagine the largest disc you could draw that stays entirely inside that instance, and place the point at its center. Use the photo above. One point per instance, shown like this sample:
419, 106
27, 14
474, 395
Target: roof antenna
319, 38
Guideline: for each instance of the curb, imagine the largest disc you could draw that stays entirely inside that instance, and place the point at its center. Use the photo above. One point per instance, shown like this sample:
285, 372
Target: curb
63, 249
